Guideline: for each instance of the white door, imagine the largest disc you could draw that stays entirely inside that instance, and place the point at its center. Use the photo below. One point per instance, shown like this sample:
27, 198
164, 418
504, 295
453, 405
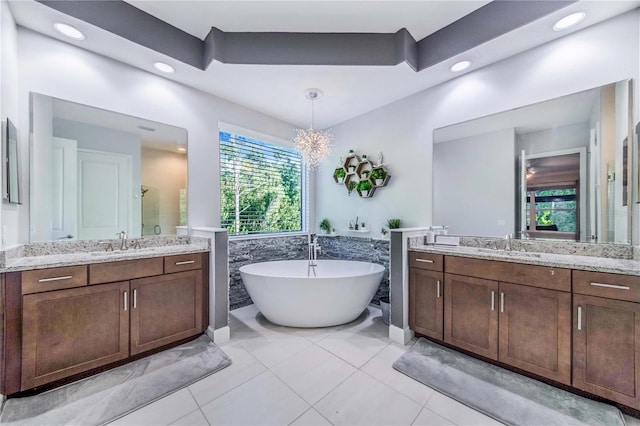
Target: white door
104, 194
64, 175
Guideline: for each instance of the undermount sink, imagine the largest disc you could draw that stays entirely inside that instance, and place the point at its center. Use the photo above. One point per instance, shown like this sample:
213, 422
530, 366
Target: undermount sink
509, 253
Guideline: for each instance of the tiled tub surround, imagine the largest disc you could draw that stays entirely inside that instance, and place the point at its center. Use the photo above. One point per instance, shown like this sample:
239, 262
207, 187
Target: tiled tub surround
361, 249
253, 250
68, 253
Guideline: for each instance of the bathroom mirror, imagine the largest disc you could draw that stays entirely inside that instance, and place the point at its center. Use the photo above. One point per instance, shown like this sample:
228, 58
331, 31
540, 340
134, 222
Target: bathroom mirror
95, 173
559, 169
11, 191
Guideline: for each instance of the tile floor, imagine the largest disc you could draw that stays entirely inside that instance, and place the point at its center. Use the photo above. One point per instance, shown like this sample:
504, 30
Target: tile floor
283, 376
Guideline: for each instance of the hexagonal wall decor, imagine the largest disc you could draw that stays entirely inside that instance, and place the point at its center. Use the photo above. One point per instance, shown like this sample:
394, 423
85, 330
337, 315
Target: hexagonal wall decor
361, 174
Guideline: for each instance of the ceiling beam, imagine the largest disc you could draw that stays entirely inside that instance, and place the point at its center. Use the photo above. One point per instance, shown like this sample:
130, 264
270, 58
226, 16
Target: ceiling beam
281, 48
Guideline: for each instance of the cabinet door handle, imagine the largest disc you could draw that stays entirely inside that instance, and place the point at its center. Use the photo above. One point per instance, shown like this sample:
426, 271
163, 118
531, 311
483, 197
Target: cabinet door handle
135, 298
619, 287
46, 280
493, 300
579, 318
424, 260
438, 289
126, 301
501, 301
186, 262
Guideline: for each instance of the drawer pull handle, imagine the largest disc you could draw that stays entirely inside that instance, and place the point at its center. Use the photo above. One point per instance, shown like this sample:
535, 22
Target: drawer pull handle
619, 287
438, 289
579, 318
493, 300
135, 298
186, 262
424, 260
46, 280
501, 301
126, 301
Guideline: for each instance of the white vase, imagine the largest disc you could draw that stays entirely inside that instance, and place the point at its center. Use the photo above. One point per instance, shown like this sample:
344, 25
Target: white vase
379, 182
340, 179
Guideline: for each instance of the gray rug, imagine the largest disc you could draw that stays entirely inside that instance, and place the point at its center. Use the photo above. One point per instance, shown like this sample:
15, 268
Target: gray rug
106, 396
506, 396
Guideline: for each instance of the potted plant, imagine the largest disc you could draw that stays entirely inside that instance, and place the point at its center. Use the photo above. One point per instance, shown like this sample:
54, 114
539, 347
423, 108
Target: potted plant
325, 225
364, 187
352, 168
339, 174
351, 186
379, 175
394, 223
365, 174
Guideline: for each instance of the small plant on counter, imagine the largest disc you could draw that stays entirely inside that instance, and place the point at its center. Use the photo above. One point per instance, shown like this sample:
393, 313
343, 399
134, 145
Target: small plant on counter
384, 232
364, 186
394, 223
325, 225
339, 174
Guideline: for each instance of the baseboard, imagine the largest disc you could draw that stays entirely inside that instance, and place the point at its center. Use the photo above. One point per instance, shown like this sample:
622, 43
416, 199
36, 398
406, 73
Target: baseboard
220, 335
399, 335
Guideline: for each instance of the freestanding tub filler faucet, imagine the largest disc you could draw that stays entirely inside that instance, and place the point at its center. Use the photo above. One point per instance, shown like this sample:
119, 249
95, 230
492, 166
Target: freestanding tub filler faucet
314, 250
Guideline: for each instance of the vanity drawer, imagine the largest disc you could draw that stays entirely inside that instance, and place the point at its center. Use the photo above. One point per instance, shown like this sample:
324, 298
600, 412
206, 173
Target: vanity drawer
125, 270
518, 273
611, 286
430, 261
41, 280
182, 262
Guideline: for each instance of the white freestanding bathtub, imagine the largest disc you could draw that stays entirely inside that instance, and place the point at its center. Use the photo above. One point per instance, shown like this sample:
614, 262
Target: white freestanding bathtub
337, 294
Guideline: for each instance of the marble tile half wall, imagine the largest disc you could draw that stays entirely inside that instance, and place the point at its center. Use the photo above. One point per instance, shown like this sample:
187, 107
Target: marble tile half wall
260, 249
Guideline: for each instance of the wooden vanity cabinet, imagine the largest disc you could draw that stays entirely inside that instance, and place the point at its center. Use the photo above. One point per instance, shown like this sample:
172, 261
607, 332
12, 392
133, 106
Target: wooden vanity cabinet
165, 309
470, 315
60, 322
426, 295
513, 313
606, 336
66, 332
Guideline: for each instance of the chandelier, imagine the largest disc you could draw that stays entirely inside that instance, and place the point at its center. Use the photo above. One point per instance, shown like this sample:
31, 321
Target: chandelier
314, 145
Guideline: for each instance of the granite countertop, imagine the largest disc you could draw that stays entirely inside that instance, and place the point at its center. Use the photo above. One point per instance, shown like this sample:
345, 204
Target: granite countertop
572, 261
53, 259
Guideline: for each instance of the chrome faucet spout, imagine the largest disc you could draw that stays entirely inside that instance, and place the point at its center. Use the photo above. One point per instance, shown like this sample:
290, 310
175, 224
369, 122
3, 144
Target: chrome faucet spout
507, 242
122, 235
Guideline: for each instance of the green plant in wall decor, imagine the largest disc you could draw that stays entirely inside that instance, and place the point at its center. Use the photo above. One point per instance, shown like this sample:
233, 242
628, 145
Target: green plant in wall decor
358, 172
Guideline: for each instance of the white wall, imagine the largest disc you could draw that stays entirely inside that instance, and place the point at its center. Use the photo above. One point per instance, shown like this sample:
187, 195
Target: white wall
554, 139
403, 131
470, 200
10, 214
63, 71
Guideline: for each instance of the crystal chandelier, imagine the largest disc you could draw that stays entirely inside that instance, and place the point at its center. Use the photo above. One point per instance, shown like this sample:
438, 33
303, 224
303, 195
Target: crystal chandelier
314, 145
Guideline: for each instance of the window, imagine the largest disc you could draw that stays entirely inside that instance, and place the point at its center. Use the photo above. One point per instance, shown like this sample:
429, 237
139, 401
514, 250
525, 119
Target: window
553, 209
262, 187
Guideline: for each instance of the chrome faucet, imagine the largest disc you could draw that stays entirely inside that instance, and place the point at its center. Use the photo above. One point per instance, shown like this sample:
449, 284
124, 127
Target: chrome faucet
314, 250
122, 235
507, 242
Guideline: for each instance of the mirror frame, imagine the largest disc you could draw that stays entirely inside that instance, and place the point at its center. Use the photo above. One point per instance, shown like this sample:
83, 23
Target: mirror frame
11, 190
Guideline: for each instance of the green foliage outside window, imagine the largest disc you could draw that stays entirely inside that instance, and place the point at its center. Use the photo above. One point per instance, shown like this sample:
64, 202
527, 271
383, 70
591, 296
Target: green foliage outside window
260, 186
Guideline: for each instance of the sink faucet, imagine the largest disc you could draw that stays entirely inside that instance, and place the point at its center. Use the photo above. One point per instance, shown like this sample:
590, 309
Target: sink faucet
507, 242
122, 235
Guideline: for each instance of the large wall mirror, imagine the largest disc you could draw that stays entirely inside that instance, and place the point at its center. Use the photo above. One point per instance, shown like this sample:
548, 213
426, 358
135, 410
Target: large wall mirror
95, 173
559, 169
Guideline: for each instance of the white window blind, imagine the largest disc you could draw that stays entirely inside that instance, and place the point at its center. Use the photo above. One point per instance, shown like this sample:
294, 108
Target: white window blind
262, 187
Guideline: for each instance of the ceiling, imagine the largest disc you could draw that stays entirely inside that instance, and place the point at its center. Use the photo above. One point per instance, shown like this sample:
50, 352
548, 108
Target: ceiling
277, 90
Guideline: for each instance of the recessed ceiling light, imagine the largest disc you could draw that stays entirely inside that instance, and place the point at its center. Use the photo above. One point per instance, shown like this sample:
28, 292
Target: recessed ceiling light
147, 128
569, 21
182, 149
69, 31
161, 66
459, 66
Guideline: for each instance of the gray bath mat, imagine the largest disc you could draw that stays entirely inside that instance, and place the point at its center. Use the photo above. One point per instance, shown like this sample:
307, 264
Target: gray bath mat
112, 394
504, 395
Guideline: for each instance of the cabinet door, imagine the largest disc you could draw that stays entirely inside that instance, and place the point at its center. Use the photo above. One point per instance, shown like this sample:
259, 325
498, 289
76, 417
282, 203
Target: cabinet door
535, 330
606, 348
426, 302
165, 309
470, 314
66, 332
